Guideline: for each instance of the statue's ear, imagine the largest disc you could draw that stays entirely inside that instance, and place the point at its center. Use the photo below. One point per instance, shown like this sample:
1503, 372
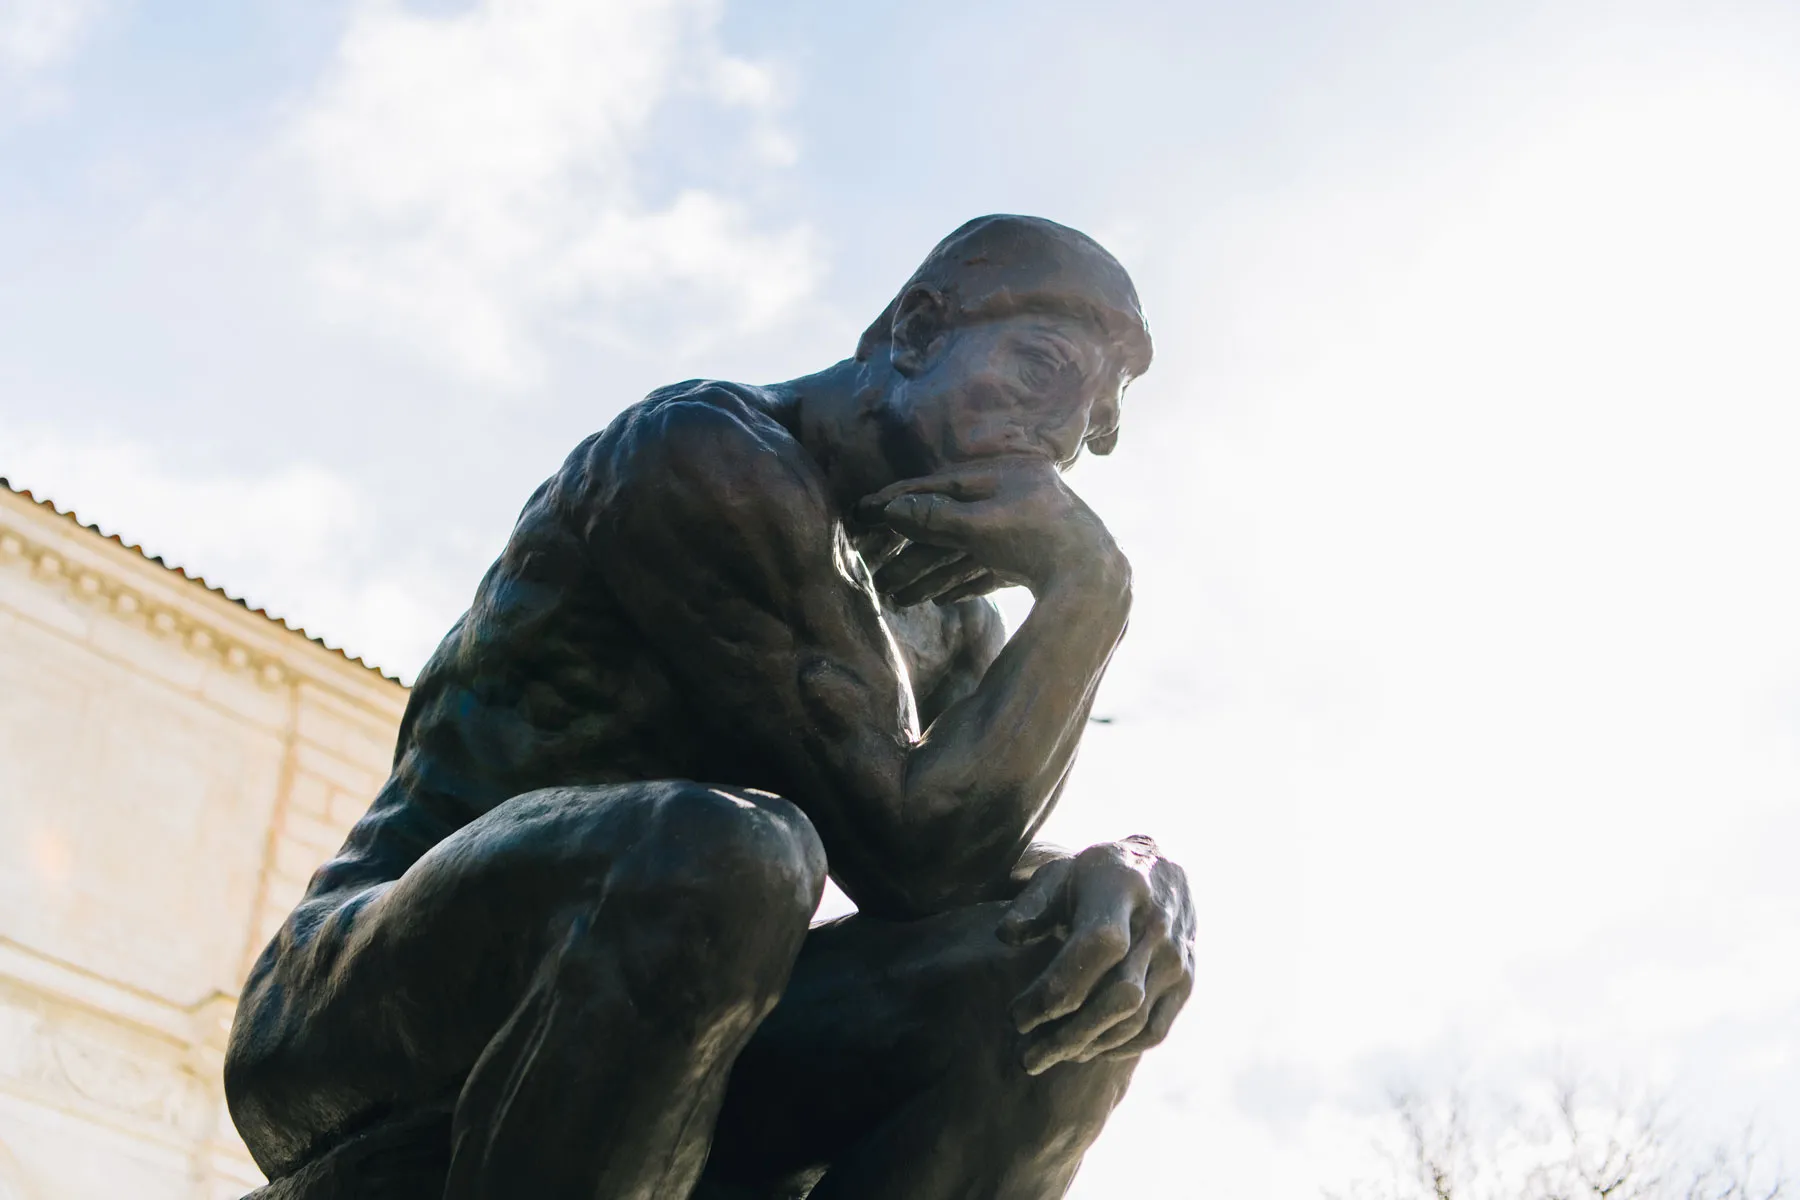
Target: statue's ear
921, 320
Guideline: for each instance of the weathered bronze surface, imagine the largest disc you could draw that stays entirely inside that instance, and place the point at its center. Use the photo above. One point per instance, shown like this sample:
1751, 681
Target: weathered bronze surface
738, 641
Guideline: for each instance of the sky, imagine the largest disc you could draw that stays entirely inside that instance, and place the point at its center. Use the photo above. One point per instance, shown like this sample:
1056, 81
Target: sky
1464, 669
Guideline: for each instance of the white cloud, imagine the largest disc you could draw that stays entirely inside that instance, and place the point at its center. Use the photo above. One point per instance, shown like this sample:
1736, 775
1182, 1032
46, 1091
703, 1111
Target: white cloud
478, 180
40, 33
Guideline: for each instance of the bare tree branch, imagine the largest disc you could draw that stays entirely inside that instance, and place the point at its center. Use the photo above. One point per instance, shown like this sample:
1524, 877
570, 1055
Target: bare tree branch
1574, 1142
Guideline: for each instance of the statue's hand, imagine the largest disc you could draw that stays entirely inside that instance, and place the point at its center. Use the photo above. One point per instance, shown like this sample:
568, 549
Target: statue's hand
1126, 965
985, 524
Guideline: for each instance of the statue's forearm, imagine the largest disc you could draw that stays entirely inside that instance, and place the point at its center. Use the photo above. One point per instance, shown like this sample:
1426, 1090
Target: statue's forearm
985, 773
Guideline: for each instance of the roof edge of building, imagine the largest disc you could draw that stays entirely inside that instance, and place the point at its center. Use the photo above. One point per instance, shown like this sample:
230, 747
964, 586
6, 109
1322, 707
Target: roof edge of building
198, 580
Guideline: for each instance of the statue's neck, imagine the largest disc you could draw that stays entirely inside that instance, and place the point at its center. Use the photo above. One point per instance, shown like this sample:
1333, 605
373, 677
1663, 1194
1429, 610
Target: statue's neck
834, 414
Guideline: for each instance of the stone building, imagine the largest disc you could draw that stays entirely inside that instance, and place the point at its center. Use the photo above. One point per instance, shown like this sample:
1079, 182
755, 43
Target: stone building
173, 765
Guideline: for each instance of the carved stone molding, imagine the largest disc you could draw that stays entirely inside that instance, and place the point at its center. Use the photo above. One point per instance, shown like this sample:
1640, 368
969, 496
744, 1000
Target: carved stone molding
131, 584
121, 601
101, 1070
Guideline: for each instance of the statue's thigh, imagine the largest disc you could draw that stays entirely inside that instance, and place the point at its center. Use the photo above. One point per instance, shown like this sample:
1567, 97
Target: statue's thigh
388, 1001
875, 1014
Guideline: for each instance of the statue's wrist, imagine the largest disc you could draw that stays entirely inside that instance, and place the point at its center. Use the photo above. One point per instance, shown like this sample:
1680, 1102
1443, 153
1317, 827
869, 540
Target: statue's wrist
1100, 577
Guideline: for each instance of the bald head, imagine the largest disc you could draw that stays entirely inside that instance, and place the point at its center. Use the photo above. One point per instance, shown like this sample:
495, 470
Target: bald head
1002, 265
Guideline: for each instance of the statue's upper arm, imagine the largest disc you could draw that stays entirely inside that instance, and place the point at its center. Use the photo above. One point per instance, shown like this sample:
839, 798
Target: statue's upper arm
983, 631
720, 539
946, 648
719, 499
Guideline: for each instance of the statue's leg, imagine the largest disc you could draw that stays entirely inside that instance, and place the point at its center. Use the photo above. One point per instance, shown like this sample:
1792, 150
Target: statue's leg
578, 968
892, 1063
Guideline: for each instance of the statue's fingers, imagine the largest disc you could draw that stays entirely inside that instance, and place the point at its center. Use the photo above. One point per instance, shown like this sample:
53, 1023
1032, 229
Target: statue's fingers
1038, 908
967, 481
1162, 1018
1095, 945
1121, 1033
1069, 1039
912, 564
1139, 971
937, 520
980, 585
935, 583
880, 547
1161, 977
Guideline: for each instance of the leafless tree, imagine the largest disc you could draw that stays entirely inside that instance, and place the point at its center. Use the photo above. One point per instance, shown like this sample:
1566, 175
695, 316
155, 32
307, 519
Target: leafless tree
1564, 1142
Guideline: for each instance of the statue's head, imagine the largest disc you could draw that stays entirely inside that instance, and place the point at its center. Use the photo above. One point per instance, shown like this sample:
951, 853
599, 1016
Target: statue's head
1016, 335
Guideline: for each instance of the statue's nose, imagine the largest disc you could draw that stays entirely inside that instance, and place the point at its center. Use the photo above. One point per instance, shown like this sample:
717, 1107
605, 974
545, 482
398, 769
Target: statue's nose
1103, 420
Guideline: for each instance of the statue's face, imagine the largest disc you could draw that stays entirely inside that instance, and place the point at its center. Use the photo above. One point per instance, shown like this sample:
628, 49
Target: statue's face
1028, 384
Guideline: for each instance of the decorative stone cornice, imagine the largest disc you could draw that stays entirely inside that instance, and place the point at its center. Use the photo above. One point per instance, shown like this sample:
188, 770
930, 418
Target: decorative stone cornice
127, 604
33, 538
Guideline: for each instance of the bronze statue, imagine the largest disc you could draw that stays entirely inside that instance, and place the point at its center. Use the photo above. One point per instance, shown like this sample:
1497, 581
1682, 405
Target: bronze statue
741, 640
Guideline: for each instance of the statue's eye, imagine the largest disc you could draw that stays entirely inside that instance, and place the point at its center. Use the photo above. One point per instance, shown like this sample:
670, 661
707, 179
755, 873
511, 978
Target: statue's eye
1039, 367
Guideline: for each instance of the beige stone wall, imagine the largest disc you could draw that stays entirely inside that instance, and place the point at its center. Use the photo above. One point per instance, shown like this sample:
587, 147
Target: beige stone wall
172, 768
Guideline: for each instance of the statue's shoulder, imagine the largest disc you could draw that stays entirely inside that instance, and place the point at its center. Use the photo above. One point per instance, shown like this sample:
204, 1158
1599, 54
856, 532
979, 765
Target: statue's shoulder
706, 416
700, 442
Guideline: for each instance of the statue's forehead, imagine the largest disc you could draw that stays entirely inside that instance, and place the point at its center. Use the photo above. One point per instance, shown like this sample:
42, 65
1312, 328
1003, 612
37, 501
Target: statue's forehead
1064, 325
1089, 314
1083, 332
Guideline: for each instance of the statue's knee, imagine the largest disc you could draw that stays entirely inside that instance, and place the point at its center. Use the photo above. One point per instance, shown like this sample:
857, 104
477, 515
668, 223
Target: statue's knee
755, 854
697, 899
732, 880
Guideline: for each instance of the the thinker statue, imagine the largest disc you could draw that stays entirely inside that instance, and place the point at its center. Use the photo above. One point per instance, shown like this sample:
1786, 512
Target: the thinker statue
738, 642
